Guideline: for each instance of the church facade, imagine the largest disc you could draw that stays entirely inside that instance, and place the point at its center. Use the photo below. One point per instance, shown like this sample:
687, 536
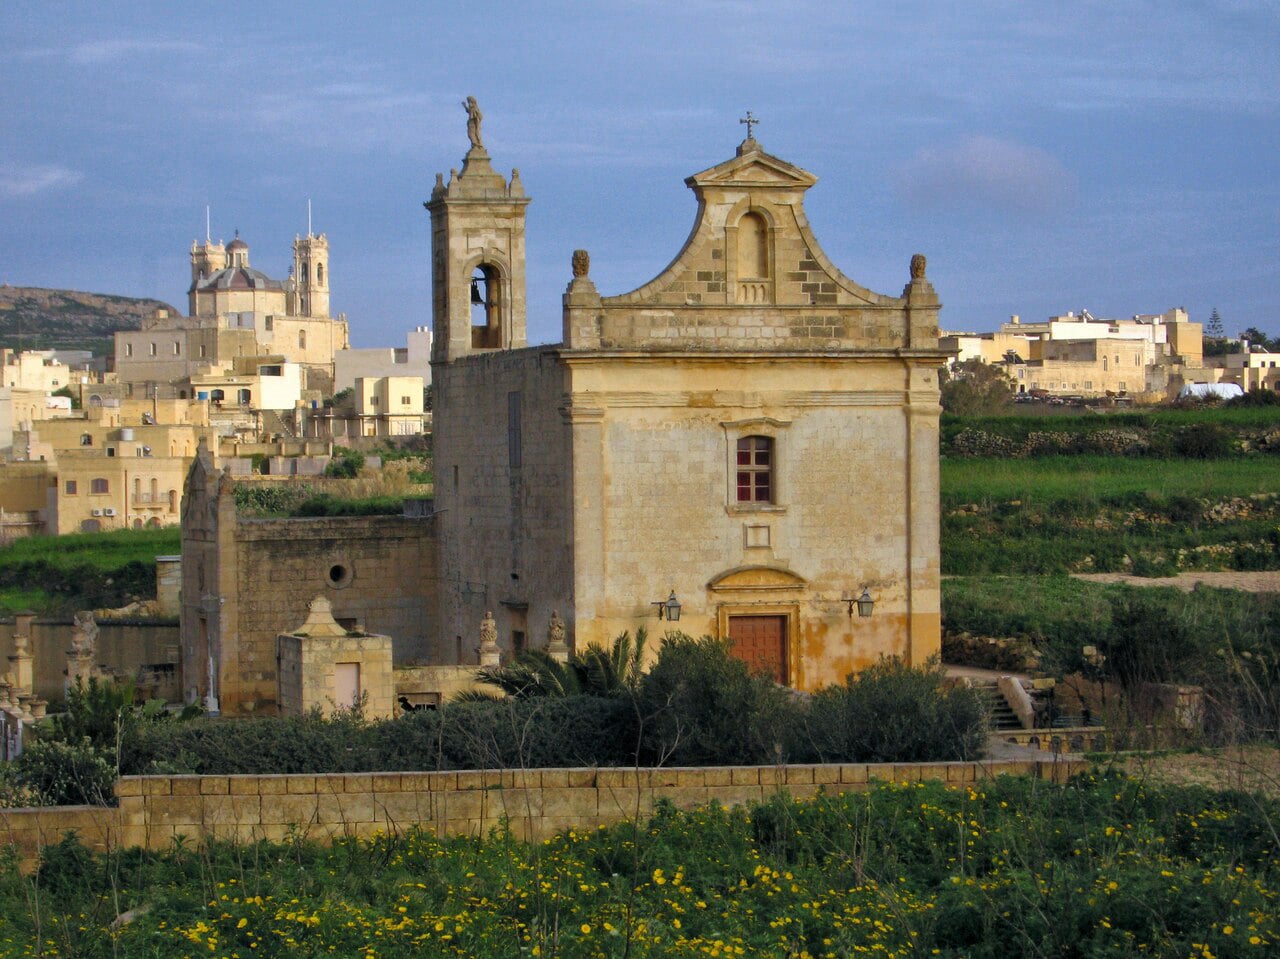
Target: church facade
751, 433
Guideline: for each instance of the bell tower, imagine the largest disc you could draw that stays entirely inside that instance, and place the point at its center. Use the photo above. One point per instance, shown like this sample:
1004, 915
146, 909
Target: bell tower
477, 255
311, 274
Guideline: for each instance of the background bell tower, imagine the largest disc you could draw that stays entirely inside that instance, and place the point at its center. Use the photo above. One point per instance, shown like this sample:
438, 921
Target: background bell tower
311, 274
477, 257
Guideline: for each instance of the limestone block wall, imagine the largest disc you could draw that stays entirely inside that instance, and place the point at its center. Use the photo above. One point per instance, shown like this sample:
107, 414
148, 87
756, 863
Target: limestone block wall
123, 647
535, 803
428, 685
30, 830
503, 488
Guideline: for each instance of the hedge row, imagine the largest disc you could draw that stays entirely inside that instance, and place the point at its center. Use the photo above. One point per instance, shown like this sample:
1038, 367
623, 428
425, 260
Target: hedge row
696, 707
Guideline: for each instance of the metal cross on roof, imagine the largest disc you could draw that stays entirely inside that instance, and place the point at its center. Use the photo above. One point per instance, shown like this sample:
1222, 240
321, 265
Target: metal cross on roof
750, 120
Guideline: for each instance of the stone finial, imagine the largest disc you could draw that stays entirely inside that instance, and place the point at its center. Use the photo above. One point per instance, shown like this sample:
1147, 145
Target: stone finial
22, 623
581, 263
320, 621
490, 655
474, 119
918, 264
557, 648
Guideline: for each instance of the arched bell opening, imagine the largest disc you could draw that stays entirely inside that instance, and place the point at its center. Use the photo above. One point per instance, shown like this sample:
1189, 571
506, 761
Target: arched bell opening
486, 308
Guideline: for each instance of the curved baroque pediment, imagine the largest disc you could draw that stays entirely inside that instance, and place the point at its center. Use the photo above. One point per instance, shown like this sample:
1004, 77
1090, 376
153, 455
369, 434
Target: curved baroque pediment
757, 578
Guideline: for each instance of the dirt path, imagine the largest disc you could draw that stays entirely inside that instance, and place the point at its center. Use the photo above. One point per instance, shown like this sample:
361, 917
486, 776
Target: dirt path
1267, 581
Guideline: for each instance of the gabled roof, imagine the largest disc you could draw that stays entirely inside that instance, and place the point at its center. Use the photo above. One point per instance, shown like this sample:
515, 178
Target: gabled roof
752, 167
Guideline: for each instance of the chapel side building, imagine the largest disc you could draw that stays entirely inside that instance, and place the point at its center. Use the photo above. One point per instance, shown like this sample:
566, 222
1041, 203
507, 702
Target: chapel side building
244, 578
751, 430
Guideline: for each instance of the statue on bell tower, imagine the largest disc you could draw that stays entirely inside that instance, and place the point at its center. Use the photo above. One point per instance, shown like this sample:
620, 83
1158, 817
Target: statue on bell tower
474, 117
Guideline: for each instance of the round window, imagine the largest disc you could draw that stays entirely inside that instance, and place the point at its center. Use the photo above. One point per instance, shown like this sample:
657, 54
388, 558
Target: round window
339, 575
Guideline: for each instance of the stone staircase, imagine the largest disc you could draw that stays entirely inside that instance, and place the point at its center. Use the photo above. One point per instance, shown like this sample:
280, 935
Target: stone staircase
274, 424
1000, 713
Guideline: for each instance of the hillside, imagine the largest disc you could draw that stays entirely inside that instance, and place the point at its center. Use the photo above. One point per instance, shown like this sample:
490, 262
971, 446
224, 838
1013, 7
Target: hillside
32, 318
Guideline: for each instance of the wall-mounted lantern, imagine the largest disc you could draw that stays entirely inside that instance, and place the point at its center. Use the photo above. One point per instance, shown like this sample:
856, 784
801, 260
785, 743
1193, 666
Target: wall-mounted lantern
864, 603
669, 608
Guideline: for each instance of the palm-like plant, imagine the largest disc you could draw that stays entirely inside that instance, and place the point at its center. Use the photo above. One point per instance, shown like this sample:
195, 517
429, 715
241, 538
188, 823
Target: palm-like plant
595, 671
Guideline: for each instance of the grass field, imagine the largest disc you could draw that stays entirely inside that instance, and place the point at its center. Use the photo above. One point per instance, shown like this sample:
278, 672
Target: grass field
99, 550
1102, 479
57, 575
1156, 422
1068, 514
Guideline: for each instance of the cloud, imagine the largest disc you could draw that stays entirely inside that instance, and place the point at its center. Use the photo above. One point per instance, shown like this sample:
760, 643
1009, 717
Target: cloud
16, 181
108, 51
986, 173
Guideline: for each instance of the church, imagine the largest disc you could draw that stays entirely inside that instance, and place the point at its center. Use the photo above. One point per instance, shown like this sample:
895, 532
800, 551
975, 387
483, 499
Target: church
237, 311
745, 447
751, 432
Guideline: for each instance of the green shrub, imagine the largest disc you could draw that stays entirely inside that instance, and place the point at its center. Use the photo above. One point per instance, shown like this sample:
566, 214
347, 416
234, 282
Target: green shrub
345, 464
891, 712
1258, 396
524, 734
571, 731
1148, 641
66, 774
287, 744
270, 499
702, 707
326, 504
95, 711
1202, 441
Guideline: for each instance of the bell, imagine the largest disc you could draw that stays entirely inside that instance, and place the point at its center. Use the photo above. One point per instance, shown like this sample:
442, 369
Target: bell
476, 298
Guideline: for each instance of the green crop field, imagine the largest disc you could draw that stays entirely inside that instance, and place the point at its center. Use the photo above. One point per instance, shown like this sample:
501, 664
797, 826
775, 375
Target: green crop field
1099, 480
57, 575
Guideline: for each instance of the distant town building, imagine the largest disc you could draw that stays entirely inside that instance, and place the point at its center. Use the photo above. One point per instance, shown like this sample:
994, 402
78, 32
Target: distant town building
1250, 371
33, 370
1147, 356
414, 359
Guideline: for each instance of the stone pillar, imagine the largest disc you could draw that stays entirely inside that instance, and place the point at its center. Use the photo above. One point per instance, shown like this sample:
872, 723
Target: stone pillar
585, 503
20, 663
490, 655
923, 580
557, 648
922, 307
169, 585
581, 307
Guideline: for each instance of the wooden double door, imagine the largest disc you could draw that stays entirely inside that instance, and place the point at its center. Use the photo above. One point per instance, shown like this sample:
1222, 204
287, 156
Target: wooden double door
761, 643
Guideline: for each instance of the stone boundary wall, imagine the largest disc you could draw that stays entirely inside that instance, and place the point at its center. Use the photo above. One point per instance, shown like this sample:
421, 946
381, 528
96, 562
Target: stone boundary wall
1071, 739
534, 803
30, 830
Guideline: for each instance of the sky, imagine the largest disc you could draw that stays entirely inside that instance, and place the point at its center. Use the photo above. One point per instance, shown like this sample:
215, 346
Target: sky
1121, 157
